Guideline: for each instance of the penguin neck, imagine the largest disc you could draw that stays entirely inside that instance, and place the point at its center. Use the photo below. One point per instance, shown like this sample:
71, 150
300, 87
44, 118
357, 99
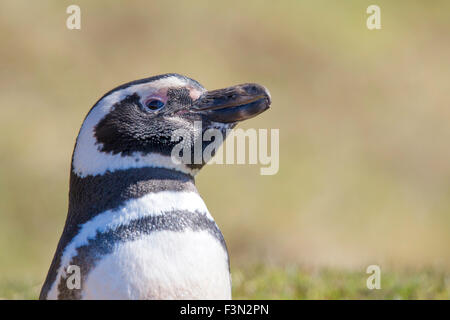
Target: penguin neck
92, 195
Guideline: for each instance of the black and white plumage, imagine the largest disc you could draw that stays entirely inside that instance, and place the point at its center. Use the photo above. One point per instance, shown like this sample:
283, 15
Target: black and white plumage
136, 225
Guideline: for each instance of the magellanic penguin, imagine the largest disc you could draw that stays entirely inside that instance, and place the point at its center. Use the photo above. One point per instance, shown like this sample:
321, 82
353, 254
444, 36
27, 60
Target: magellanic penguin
136, 226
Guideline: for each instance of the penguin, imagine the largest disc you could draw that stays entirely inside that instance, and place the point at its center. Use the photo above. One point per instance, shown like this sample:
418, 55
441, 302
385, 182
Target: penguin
136, 226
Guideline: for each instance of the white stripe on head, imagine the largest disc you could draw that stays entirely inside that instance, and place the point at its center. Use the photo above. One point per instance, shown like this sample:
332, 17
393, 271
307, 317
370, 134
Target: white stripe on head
88, 160
152, 204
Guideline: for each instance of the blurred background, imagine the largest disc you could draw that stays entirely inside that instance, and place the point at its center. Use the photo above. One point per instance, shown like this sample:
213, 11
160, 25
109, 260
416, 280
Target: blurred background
364, 173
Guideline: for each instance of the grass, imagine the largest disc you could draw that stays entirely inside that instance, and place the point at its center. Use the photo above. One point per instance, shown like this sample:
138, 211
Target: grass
19, 289
270, 282
296, 283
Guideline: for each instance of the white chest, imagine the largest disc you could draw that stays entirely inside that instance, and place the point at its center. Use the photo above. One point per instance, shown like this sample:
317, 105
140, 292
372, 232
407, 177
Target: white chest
177, 255
162, 265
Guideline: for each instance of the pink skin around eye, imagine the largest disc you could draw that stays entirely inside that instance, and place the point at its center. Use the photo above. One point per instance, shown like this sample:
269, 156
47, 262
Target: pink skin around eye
160, 95
150, 98
195, 94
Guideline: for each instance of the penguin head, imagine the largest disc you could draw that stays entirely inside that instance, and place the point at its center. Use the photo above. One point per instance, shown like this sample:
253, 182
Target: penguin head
134, 124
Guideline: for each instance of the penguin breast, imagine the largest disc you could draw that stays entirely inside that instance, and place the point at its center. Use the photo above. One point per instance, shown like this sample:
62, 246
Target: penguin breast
162, 265
164, 245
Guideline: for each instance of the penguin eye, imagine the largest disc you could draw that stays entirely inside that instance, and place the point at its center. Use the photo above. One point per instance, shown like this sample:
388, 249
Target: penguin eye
154, 104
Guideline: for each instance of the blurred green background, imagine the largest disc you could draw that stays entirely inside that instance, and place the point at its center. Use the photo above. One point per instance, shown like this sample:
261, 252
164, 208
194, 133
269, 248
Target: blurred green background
364, 134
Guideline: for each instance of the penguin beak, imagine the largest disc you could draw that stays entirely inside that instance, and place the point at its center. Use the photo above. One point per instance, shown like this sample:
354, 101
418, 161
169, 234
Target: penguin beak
233, 104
